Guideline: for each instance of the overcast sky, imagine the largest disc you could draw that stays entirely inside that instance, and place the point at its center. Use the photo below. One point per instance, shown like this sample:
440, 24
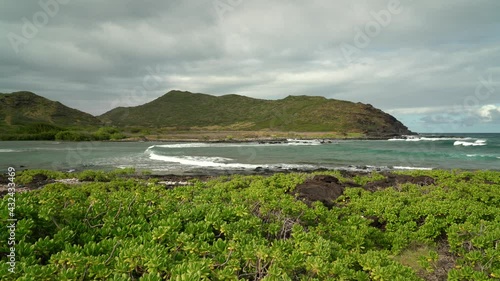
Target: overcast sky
433, 64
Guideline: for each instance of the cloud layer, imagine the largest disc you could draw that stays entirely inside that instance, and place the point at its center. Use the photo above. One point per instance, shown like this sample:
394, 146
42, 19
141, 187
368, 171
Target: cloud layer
428, 63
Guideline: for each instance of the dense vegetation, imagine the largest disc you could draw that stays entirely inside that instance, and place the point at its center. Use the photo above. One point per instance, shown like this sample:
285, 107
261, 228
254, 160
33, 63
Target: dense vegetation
26, 116
23, 108
117, 227
185, 110
43, 131
184, 115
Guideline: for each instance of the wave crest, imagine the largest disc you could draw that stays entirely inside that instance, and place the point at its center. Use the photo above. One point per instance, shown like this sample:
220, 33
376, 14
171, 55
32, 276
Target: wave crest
466, 143
413, 138
8, 150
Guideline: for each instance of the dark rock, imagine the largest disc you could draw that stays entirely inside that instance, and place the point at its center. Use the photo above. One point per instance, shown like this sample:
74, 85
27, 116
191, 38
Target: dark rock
38, 181
4, 179
377, 222
39, 178
350, 174
327, 179
320, 170
323, 188
327, 189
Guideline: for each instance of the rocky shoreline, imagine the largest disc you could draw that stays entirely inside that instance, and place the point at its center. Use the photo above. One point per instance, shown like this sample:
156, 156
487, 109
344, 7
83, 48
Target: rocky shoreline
319, 188
39, 181
251, 140
174, 180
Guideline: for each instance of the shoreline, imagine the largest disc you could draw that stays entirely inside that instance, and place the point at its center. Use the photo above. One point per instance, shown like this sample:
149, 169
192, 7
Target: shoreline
198, 137
40, 179
183, 140
259, 171
235, 136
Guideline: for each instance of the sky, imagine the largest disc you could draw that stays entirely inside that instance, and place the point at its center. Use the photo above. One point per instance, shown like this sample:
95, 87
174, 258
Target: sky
434, 65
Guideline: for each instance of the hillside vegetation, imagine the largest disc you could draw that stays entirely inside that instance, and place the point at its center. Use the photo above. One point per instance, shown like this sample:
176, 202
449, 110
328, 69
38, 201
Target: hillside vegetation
438, 225
186, 116
23, 108
190, 111
27, 116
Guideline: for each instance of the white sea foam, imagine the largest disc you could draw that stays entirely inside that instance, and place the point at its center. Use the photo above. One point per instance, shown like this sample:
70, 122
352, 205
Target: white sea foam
292, 166
200, 145
369, 168
8, 150
200, 161
466, 143
443, 139
413, 138
302, 142
222, 162
482, 156
183, 145
412, 168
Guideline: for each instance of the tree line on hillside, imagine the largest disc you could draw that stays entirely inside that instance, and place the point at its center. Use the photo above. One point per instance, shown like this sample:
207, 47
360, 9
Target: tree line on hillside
42, 131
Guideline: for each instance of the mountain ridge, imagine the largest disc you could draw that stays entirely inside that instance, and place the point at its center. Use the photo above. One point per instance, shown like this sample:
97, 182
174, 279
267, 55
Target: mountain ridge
187, 110
24, 107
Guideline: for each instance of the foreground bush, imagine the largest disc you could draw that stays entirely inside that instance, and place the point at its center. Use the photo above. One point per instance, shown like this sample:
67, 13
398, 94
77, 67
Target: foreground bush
254, 228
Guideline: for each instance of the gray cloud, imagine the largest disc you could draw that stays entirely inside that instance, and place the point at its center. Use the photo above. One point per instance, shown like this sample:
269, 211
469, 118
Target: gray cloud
487, 114
430, 58
447, 119
490, 113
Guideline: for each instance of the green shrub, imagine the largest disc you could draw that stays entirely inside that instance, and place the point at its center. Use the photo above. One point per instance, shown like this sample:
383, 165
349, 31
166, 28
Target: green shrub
73, 136
38, 128
26, 176
117, 136
253, 228
108, 130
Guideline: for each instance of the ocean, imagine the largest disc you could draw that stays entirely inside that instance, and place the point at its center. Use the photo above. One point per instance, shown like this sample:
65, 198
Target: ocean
423, 152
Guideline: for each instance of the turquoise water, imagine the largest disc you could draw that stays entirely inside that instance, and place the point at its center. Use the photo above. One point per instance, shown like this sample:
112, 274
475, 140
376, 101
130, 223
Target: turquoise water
460, 151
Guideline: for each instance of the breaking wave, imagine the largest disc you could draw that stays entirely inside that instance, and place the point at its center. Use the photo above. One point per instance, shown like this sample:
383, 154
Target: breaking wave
9, 150
413, 138
196, 160
466, 143
483, 156
412, 168
289, 142
223, 163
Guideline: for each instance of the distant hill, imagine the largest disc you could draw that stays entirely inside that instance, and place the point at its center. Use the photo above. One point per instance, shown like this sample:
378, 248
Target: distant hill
185, 110
26, 108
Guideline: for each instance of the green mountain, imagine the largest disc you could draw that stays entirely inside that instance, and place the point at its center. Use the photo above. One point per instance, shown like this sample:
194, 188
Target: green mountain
25, 115
21, 110
185, 110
